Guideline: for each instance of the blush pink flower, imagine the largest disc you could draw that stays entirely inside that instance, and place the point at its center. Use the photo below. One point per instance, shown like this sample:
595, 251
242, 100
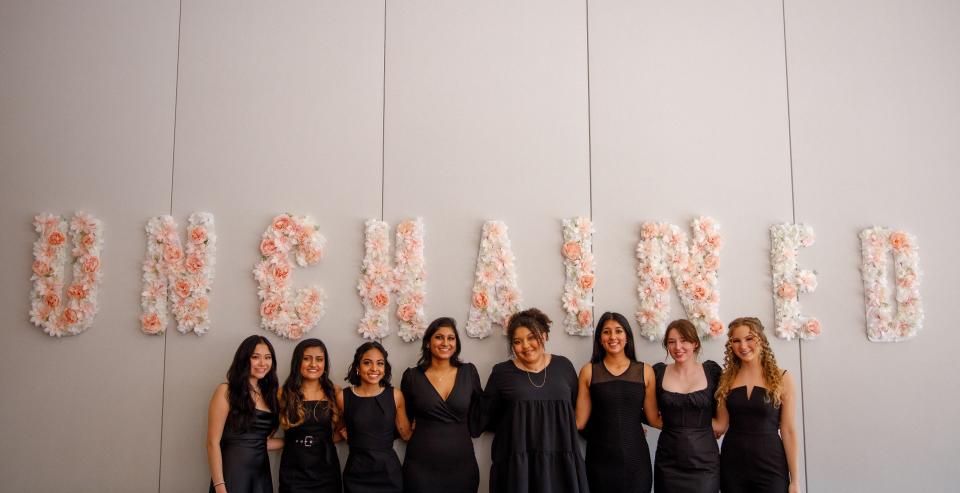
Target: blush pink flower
480, 300
380, 299
194, 263
90, 265
182, 288
716, 328
198, 235
584, 317
172, 253
77, 291
812, 327
268, 247
571, 250
56, 238
406, 312
787, 291
587, 281
281, 223
51, 300
41, 268
295, 331
70, 316
899, 241
150, 323
269, 308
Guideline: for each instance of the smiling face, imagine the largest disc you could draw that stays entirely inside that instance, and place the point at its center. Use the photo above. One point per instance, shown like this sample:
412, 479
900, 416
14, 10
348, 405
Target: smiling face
313, 363
680, 348
527, 348
260, 361
372, 367
613, 337
745, 344
443, 343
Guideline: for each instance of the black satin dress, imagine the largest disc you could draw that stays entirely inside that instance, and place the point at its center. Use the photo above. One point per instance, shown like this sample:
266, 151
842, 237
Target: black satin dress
373, 465
687, 458
618, 457
309, 463
440, 456
535, 446
752, 458
246, 467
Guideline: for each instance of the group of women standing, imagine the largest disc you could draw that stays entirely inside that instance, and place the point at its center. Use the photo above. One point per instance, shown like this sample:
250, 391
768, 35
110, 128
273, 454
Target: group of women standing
534, 403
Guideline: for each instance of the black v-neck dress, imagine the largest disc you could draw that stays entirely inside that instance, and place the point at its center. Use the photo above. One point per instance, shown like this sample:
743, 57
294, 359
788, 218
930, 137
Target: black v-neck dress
440, 456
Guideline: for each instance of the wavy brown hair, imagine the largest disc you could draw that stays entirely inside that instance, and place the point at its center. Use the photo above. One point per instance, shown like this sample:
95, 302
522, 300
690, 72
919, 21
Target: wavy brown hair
292, 411
772, 375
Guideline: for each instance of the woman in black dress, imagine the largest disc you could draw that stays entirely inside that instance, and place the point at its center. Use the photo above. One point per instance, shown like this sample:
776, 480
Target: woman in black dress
616, 393
687, 458
241, 420
438, 392
309, 415
528, 404
756, 399
374, 414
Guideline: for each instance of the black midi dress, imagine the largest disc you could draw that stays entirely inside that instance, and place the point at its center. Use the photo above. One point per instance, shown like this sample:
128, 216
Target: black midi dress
372, 466
753, 458
246, 467
440, 456
309, 462
535, 448
687, 458
618, 457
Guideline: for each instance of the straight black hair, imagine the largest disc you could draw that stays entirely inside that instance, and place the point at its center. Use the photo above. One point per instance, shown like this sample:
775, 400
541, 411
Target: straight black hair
425, 357
598, 352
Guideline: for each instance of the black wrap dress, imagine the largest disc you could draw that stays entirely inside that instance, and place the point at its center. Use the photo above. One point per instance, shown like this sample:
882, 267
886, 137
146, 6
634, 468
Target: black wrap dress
687, 458
618, 457
373, 465
753, 458
246, 467
535, 448
309, 462
440, 456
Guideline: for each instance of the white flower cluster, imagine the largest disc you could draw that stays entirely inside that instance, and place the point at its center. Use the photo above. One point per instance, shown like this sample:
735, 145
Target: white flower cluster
663, 254
47, 308
882, 325
186, 275
376, 281
280, 312
789, 281
496, 296
579, 270
410, 277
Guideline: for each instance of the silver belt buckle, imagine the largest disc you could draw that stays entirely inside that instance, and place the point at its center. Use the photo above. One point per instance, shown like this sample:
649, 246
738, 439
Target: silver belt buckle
307, 441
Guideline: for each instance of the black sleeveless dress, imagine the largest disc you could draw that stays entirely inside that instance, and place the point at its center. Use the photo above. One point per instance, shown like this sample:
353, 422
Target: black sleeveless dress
535, 448
752, 458
687, 458
372, 466
246, 467
618, 457
309, 462
440, 456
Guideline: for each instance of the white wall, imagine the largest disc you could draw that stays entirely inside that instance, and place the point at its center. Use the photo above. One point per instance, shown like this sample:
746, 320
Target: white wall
461, 112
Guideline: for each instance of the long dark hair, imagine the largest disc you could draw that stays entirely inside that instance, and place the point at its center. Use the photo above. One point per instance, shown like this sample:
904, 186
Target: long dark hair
353, 373
291, 398
242, 406
598, 352
425, 356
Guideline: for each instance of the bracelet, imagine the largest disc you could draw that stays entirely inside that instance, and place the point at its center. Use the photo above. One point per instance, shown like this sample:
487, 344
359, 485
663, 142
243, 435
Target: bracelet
218, 484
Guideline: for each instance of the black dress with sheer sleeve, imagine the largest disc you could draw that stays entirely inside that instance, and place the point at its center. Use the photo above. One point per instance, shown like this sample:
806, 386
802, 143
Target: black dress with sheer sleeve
618, 457
440, 456
246, 467
687, 458
535, 448
309, 462
753, 458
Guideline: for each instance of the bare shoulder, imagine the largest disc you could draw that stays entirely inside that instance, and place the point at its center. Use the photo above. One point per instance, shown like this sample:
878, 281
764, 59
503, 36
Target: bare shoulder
397, 395
221, 391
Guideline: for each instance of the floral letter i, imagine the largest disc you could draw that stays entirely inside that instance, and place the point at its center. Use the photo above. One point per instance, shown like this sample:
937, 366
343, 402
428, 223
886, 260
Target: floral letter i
789, 281
47, 308
882, 326
408, 279
579, 269
663, 254
495, 293
281, 312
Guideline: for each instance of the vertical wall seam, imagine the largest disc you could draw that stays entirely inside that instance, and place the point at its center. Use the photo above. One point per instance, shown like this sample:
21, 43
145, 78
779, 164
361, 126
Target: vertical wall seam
793, 210
383, 119
593, 309
173, 165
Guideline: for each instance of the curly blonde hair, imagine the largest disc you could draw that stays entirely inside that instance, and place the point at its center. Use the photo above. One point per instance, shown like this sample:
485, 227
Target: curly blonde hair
772, 375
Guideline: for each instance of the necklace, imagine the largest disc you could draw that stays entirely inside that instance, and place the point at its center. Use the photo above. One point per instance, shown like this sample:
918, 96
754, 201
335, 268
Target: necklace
529, 379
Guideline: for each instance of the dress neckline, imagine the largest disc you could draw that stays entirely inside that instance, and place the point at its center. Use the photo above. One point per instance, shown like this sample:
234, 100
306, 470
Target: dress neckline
456, 377
749, 391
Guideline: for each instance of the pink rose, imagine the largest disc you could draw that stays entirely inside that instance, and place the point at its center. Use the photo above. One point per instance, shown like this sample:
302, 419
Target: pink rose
56, 238
586, 282
380, 299
182, 288
202, 303
715, 241
716, 328
41, 268
648, 231
51, 300
406, 312
662, 283
571, 250
150, 323
70, 316
812, 327
509, 297
269, 308
198, 234
268, 247
295, 331
87, 240
584, 317
787, 291
281, 272
900, 241
480, 300
699, 292
172, 253
312, 255
90, 265
194, 263
711, 262
405, 228
77, 291
281, 223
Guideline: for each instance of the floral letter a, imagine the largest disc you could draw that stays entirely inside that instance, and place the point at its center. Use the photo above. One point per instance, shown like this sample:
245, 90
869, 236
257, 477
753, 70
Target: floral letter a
495, 293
